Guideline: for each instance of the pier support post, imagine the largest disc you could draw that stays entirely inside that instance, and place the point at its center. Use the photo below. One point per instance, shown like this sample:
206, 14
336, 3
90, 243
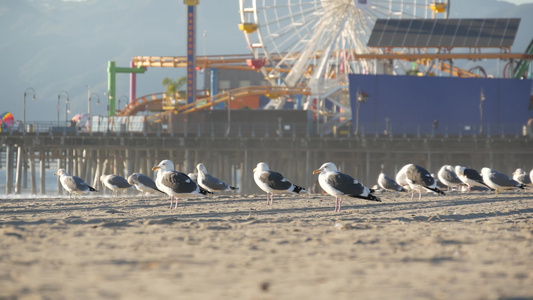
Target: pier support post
33, 183
42, 171
20, 162
9, 169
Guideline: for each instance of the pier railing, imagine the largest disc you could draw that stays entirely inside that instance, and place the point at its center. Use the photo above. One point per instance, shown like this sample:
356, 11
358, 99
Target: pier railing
138, 125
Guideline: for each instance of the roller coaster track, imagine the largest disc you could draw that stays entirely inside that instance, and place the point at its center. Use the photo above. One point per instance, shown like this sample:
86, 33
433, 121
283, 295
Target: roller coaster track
155, 101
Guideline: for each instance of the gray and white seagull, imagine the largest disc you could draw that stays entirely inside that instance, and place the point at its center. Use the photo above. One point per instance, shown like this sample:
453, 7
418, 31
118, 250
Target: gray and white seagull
418, 179
499, 181
273, 182
73, 184
470, 177
210, 183
174, 183
143, 183
115, 183
388, 184
340, 185
521, 176
448, 177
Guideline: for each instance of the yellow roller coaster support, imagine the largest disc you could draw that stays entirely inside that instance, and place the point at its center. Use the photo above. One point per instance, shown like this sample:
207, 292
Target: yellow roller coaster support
248, 27
438, 7
273, 95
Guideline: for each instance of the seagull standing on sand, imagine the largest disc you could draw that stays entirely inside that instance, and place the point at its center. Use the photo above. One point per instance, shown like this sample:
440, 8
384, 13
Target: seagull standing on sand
115, 183
521, 176
389, 184
143, 183
210, 183
73, 184
470, 177
175, 183
448, 177
418, 179
273, 182
499, 181
340, 185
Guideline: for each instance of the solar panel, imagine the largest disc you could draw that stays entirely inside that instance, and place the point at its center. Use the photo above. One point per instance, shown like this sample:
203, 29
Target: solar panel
430, 33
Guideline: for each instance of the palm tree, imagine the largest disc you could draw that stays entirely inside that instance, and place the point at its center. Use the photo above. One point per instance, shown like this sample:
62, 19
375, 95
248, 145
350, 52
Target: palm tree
173, 87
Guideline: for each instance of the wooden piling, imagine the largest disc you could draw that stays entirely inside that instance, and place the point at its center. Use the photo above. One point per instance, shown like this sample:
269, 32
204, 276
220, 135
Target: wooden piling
9, 169
20, 162
42, 171
33, 184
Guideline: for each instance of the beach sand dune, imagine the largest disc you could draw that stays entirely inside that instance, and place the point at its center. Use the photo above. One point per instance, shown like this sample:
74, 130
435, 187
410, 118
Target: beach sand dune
458, 246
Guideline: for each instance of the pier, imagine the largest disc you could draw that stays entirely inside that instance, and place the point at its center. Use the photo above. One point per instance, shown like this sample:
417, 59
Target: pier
233, 157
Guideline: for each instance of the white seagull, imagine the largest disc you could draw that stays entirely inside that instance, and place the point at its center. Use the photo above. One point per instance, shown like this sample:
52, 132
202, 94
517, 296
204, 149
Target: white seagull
499, 181
448, 177
388, 184
143, 183
210, 183
521, 176
470, 177
273, 182
115, 183
340, 185
73, 184
418, 179
175, 183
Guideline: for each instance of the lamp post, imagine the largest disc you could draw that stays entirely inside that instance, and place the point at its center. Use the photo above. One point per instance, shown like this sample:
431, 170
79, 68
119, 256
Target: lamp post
58, 97
481, 100
123, 96
25, 93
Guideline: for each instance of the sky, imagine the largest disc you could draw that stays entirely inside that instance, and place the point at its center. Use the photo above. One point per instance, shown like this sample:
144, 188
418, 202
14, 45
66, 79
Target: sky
65, 62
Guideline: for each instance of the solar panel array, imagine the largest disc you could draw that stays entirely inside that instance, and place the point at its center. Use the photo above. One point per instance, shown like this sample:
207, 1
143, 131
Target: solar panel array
429, 33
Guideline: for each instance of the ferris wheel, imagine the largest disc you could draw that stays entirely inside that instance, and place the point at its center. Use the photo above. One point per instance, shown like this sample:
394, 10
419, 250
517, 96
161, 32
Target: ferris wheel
308, 42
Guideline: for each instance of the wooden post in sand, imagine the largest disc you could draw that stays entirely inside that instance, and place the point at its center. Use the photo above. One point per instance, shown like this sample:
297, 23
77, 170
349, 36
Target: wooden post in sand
9, 169
42, 171
33, 183
18, 177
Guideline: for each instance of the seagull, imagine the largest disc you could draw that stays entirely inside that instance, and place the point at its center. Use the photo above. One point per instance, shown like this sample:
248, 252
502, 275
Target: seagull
143, 183
389, 184
418, 179
470, 177
210, 183
340, 185
499, 181
448, 177
73, 184
531, 176
115, 183
273, 182
175, 183
521, 176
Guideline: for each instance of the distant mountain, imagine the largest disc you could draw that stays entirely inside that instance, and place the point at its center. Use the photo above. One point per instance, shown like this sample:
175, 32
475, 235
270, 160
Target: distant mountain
56, 45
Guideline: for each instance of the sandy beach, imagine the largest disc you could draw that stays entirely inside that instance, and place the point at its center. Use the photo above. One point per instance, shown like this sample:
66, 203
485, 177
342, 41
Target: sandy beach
458, 246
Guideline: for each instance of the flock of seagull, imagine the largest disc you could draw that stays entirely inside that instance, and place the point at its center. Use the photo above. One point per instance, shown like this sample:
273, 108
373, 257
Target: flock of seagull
411, 178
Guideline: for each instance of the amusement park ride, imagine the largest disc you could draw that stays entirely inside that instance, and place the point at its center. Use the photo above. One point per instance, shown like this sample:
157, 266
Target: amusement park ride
307, 47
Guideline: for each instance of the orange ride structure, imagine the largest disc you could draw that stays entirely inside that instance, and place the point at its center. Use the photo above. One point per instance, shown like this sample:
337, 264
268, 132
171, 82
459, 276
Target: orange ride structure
309, 50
